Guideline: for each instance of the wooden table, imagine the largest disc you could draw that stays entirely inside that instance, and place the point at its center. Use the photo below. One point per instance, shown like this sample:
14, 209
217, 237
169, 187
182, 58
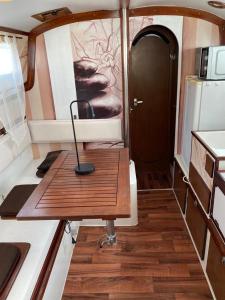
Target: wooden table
64, 195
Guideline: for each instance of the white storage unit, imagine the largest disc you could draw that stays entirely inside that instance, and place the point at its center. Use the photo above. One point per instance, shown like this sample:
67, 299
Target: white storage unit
204, 110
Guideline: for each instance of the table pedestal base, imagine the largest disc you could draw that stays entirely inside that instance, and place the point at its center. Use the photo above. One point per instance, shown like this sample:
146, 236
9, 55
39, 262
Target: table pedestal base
110, 238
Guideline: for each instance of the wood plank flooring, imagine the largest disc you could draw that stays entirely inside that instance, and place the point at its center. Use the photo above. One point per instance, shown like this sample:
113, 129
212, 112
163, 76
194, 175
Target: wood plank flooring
147, 179
154, 260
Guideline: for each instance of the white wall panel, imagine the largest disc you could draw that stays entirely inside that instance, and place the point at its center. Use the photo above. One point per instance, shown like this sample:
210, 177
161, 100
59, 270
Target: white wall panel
60, 60
99, 130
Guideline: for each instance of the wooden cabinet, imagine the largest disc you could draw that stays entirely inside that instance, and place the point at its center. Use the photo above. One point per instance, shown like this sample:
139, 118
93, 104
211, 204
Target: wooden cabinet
180, 187
200, 188
206, 204
201, 172
200, 158
216, 270
218, 203
196, 222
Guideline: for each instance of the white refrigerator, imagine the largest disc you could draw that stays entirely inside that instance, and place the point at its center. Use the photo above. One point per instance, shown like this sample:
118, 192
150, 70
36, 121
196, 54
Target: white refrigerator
204, 110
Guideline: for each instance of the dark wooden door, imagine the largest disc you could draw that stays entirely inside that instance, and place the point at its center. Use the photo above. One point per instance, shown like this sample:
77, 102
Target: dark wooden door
153, 83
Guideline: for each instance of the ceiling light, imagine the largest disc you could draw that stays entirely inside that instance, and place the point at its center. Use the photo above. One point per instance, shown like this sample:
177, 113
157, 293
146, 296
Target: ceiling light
217, 4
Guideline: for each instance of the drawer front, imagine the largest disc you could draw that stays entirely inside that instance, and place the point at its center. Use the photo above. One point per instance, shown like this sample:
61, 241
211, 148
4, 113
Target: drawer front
180, 187
216, 270
218, 210
203, 162
200, 188
196, 223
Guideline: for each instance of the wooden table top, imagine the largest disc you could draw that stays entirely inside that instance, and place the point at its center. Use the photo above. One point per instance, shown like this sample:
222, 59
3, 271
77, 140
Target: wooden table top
62, 194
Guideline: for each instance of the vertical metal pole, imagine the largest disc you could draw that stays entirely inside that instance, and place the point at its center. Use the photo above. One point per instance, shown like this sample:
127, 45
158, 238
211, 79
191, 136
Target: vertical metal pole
74, 133
111, 233
125, 51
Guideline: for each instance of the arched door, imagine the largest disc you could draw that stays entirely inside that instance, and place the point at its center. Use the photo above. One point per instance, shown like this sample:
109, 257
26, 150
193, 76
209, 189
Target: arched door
153, 81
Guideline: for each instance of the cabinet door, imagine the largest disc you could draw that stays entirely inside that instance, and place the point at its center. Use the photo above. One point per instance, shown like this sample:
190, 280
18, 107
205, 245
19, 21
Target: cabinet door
180, 187
218, 203
201, 159
196, 223
216, 270
200, 188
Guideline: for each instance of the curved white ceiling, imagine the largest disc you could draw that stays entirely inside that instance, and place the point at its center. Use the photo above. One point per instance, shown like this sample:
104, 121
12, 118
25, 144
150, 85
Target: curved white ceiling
17, 13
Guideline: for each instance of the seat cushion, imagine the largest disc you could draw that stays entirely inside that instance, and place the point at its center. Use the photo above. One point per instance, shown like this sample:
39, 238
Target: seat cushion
9, 257
46, 164
16, 199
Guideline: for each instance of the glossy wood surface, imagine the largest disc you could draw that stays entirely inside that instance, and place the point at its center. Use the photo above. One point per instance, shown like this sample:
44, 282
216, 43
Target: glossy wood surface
153, 10
180, 187
154, 260
152, 122
196, 223
62, 194
148, 179
177, 11
200, 188
216, 270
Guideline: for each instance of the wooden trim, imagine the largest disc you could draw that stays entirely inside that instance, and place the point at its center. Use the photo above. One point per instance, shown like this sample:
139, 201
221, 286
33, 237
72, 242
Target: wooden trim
153, 10
87, 16
177, 11
24, 248
28, 85
222, 34
14, 31
45, 273
103, 14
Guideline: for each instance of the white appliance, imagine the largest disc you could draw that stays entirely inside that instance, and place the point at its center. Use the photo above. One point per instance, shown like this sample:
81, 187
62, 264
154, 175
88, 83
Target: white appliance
210, 63
204, 110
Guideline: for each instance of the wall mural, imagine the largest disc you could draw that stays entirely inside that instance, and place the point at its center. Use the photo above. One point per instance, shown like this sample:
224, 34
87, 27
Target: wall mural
98, 68
99, 44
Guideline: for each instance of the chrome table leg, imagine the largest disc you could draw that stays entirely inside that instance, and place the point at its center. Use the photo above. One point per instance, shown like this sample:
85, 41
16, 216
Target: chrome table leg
110, 238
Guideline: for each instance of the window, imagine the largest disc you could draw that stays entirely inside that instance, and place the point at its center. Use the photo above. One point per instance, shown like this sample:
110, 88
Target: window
6, 66
12, 98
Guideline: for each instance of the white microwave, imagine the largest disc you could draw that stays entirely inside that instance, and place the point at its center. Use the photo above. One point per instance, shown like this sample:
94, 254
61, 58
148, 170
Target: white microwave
210, 63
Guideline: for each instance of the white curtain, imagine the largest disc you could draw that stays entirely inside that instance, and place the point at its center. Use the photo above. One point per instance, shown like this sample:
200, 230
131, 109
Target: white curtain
12, 95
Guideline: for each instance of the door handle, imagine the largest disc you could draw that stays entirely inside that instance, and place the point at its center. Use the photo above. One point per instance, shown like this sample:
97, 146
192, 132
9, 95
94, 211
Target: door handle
137, 102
